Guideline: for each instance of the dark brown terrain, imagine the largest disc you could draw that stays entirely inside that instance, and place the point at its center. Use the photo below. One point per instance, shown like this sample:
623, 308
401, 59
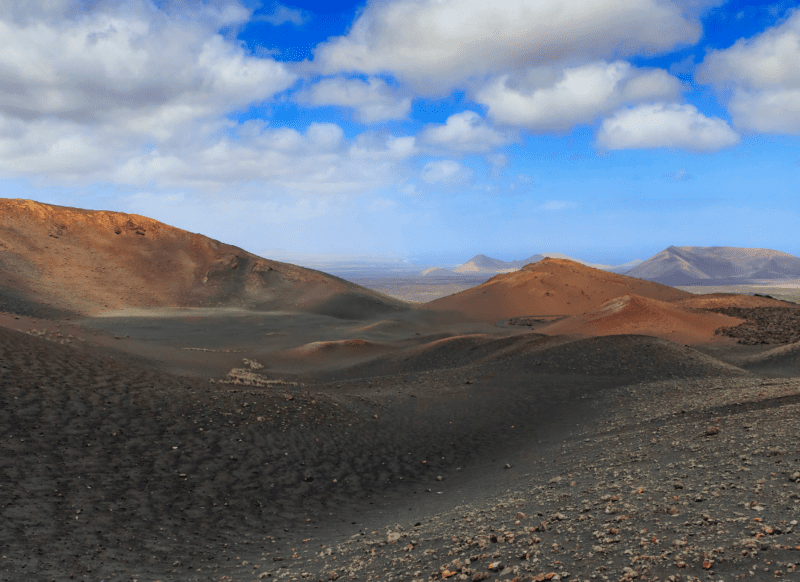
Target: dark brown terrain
272, 422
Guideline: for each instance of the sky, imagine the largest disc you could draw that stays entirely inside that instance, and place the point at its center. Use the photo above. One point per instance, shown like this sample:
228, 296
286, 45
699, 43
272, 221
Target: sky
413, 132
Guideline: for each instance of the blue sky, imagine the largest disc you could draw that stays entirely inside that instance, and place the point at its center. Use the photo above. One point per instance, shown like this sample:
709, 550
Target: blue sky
423, 131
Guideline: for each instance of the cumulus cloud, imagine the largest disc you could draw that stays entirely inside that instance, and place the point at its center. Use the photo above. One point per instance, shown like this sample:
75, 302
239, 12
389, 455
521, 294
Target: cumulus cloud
283, 161
436, 44
497, 163
125, 93
281, 14
665, 126
130, 63
679, 175
384, 147
464, 132
546, 100
763, 74
373, 100
128, 94
445, 172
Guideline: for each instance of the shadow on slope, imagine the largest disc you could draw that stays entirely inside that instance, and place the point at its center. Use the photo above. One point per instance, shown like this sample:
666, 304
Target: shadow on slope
780, 361
625, 357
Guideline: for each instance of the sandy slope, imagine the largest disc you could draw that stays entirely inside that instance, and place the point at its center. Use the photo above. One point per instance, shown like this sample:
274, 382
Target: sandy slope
91, 262
549, 287
632, 314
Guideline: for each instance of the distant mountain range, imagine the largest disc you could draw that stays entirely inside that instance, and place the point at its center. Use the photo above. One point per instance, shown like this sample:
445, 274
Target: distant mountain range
716, 265
672, 266
484, 264
481, 264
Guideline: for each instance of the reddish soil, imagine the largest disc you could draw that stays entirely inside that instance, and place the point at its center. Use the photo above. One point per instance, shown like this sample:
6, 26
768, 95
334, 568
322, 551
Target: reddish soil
549, 287
631, 314
92, 262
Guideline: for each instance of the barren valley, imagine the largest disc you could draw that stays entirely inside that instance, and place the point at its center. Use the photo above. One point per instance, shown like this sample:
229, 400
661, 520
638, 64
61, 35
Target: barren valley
173, 408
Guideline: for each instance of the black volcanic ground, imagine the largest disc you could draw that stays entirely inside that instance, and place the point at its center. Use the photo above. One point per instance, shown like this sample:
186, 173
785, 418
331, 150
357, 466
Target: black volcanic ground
335, 441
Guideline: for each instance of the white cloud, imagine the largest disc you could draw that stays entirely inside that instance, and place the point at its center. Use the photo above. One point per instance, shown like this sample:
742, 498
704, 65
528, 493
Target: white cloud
284, 161
464, 132
764, 75
84, 93
679, 175
665, 126
497, 163
373, 100
130, 62
123, 93
445, 172
436, 44
383, 147
544, 100
282, 14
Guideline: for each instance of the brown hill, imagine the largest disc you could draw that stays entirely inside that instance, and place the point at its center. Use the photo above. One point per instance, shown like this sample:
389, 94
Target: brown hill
632, 314
59, 259
549, 287
717, 265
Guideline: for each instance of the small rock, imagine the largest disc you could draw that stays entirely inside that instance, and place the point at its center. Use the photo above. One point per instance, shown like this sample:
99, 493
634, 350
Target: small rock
712, 430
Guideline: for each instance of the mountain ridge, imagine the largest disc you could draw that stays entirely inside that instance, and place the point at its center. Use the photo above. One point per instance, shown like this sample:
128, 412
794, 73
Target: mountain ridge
689, 265
484, 264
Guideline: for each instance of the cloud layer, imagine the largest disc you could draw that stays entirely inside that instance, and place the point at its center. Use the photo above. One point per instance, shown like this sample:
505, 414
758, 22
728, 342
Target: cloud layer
557, 100
434, 45
764, 76
162, 94
373, 100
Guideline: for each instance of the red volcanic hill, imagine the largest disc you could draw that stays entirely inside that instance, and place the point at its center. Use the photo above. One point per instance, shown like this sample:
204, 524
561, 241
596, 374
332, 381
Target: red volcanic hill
90, 262
549, 287
632, 314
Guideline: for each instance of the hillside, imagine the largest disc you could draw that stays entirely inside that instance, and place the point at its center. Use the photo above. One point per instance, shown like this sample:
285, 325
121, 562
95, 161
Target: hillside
632, 314
57, 259
717, 265
549, 287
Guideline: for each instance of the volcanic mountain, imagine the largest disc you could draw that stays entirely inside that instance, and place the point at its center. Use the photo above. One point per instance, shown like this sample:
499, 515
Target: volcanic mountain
484, 264
60, 260
549, 287
717, 266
